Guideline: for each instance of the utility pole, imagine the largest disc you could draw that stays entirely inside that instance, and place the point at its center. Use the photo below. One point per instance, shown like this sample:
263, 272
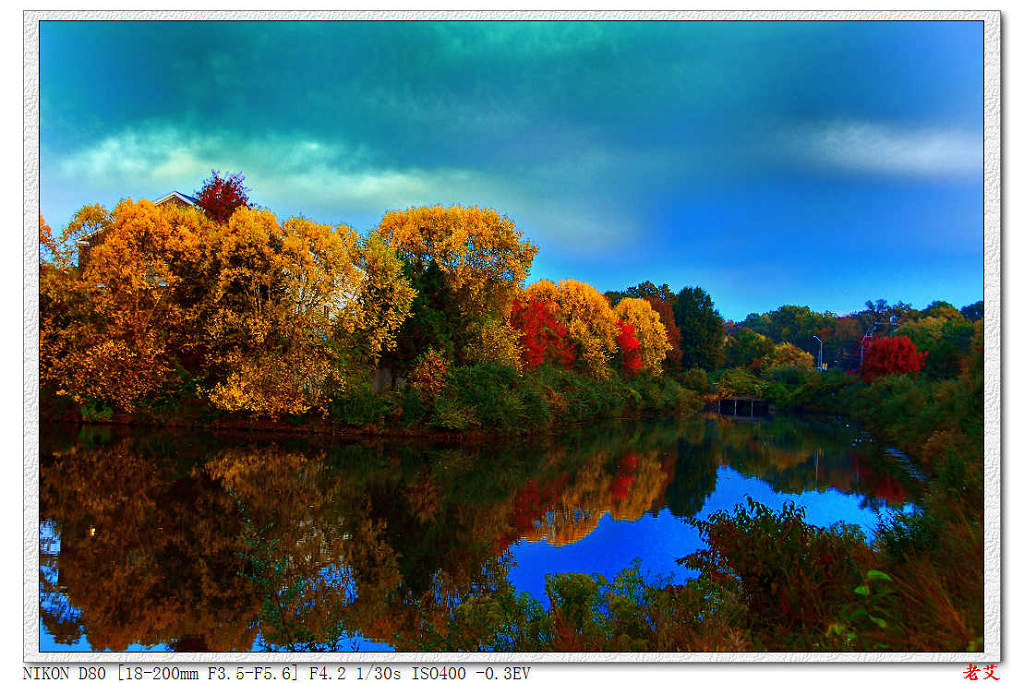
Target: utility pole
821, 346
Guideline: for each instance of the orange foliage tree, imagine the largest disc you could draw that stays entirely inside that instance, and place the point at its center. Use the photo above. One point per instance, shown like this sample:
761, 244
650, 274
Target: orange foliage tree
281, 292
128, 311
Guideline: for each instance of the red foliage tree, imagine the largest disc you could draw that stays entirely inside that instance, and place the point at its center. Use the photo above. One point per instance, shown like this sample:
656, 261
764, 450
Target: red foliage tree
219, 197
674, 356
543, 338
891, 355
630, 347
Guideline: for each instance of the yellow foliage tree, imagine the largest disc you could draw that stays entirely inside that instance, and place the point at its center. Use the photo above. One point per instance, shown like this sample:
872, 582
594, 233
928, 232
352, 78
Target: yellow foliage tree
124, 314
483, 256
587, 317
650, 331
384, 298
494, 341
280, 294
787, 354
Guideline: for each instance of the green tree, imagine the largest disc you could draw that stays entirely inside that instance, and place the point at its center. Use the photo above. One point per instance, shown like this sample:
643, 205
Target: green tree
702, 329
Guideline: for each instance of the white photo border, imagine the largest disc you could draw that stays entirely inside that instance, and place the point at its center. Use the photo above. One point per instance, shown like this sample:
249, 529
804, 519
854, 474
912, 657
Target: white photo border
992, 321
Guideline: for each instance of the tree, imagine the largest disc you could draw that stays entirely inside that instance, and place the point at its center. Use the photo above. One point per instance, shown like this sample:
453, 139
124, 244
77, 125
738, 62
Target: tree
644, 290
112, 331
745, 347
220, 197
384, 299
632, 362
280, 296
587, 317
542, 337
650, 332
891, 355
481, 255
673, 356
974, 312
701, 328
789, 355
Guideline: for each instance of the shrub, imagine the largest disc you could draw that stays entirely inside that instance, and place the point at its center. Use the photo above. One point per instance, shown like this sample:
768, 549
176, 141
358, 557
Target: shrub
789, 573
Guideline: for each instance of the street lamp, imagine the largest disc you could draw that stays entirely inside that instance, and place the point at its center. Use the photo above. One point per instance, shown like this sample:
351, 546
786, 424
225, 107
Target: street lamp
821, 345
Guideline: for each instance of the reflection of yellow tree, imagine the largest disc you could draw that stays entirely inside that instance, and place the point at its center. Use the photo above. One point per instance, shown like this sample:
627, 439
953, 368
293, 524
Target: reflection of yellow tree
624, 486
148, 558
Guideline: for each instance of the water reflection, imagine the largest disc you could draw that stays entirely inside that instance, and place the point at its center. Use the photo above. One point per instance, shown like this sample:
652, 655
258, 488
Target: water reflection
197, 542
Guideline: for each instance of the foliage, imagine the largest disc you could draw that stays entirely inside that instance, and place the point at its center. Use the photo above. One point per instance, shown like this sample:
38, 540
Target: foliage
701, 328
745, 348
483, 257
279, 296
891, 355
740, 382
109, 331
541, 336
589, 321
673, 355
650, 332
219, 196
792, 578
944, 336
696, 379
494, 340
384, 299
789, 355
632, 360
429, 373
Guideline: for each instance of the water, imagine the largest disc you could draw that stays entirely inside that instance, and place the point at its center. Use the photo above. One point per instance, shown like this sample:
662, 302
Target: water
188, 541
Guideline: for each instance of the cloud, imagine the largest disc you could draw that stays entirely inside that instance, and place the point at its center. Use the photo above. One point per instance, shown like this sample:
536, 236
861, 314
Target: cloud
333, 180
890, 150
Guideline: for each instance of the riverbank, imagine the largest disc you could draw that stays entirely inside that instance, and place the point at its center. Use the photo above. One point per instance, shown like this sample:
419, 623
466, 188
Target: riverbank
475, 403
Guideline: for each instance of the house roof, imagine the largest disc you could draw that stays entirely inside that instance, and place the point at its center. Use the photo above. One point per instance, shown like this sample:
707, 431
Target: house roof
183, 197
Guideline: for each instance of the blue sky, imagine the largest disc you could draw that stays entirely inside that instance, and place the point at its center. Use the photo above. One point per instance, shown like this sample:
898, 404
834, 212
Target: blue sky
771, 163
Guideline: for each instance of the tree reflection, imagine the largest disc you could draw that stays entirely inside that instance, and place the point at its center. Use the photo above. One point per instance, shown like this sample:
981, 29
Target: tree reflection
234, 542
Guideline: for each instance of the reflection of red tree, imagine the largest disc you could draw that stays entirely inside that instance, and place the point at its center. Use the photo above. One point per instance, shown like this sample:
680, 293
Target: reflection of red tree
531, 504
879, 484
624, 476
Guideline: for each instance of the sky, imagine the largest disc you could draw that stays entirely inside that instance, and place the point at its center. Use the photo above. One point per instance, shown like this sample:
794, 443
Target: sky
770, 163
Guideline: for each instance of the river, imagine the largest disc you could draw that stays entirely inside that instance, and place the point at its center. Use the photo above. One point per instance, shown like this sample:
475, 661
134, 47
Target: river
196, 541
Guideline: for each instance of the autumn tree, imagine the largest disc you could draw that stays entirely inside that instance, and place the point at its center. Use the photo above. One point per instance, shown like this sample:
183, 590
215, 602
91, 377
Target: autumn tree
587, 317
542, 338
127, 313
481, 254
701, 328
280, 295
650, 332
383, 301
789, 355
945, 335
219, 197
745, 347
632, 359
891, 355
673, 356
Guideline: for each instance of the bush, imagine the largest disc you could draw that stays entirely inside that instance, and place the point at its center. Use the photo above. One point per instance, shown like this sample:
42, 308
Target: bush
696, 379
360, 406
789, 573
